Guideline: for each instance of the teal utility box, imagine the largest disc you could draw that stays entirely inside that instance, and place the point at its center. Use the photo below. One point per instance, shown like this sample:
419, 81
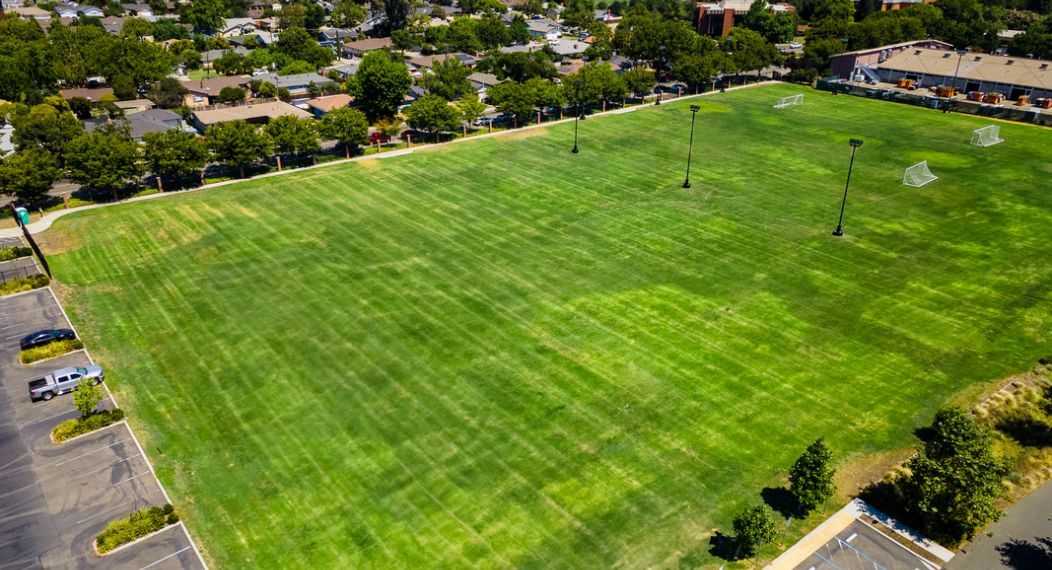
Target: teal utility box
22, 214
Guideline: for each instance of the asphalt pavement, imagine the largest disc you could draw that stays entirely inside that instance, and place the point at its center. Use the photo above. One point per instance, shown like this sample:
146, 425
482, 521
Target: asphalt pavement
1021, 540
57, 497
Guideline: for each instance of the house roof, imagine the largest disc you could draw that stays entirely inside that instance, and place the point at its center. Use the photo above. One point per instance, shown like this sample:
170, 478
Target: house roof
214, 54
152, 121
564, 46
91, 94
213, 85
483, 79
29, 12
269, 110
295, 80
331, 102
135, 103
431, 60
370, 44
975, 67
345, 69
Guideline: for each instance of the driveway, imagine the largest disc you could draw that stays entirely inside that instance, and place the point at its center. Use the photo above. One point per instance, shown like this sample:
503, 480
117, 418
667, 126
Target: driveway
1021, 540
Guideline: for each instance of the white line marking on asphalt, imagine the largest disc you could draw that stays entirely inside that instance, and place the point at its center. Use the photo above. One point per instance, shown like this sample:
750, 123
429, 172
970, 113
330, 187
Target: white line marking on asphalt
98, 514
67, 412
114, 464
130, 478
852, 537
176, 553
90, 452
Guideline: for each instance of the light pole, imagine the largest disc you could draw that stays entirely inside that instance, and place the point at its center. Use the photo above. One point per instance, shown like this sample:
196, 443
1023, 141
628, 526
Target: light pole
855, 143
690, 147
960, 56
661, 58
577, 117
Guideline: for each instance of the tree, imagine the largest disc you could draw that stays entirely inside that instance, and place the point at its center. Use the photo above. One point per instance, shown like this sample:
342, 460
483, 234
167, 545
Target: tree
432, 113
297, 43
347, 14
578, 13
47, 126
519, 30
462, 35
519, 66
840, 10
292, 16
174, 153
87, 396
167, 93
230, 63
484, 6
811, 476
349, 126
593, 83
470, 107
381, 83
396, 13
231, 95
517, 99
546, 94
749, 51
492, 33
204, 15
267, 90
237, 143
775, 28
28, 175
448, 78
107, 158
136, 28
292, 135
639, 81
955, 477
124, 88
753, 528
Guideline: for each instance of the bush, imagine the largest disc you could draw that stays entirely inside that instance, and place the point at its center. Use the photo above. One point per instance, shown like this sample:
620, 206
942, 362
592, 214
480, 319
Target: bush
135, 526
80, 426
14, 252
51, 350
24, 284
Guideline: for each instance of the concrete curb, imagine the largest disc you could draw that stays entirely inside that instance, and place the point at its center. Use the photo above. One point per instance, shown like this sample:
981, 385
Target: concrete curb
44, 223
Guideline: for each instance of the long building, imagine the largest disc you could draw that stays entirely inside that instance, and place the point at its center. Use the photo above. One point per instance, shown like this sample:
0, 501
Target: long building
719, 17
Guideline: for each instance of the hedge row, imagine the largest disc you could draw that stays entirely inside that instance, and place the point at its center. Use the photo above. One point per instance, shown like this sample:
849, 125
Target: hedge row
23, 284
80, 426
50, 350
135, 526
14, 252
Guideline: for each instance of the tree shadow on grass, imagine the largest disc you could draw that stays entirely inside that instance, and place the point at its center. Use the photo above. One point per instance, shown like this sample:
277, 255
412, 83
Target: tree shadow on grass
1023, 555
723, 546
781, 500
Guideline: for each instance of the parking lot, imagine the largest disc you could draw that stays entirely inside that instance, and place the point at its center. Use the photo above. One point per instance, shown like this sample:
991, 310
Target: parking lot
57, 498
863, 547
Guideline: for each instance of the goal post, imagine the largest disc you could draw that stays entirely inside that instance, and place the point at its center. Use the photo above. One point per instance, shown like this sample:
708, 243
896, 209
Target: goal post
918, 175
987, 136
789, 101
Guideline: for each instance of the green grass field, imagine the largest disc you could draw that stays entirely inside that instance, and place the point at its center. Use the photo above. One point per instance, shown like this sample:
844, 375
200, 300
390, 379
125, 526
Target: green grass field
498, 353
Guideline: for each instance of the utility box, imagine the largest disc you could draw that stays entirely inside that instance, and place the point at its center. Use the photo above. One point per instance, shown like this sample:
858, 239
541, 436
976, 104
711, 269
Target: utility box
22, 214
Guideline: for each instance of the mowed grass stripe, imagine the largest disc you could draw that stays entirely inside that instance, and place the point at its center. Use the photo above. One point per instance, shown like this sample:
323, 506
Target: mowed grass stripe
502, 354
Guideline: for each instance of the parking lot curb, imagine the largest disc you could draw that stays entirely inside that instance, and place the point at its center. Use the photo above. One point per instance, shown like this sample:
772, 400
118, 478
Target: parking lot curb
95, 544
51, 434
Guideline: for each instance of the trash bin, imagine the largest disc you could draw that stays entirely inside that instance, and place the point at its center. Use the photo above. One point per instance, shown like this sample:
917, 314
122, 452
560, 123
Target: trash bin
22, 214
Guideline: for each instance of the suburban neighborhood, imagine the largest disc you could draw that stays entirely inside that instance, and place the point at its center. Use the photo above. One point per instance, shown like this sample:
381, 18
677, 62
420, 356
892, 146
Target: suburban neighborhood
516, 283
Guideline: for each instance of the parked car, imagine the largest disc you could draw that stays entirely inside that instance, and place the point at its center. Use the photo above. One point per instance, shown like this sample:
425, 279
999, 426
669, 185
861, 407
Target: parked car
796, 45
46, 336
62, 381
377, 136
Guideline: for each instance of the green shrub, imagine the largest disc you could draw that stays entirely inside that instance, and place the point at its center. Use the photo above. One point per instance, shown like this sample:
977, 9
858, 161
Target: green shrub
24, 284
135, 526
14, 252
80, 426
51, 350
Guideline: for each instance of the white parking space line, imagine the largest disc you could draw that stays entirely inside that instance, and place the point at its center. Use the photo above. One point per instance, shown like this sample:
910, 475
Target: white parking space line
90, 452
65, 413
98, 514
176, 553
130, 478
110, 466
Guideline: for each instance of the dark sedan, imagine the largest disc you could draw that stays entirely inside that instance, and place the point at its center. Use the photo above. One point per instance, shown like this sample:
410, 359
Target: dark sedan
40, 338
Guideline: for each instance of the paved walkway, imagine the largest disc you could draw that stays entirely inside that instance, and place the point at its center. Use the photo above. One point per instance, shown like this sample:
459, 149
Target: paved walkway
45, 222
1021, 540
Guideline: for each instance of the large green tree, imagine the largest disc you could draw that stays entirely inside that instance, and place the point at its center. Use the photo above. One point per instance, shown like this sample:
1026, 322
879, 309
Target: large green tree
292, 135
432, 113
107, 158
50, 126
774, 27
470, 107
381, 84
348, 126
811, 476
27, 69
448, 78
639, 80
347, 14
174, 153
204, 15
517, 99
753, 527
28, 175
396, 13
594, 82
298, 44
955, 477
237, 143
167, 93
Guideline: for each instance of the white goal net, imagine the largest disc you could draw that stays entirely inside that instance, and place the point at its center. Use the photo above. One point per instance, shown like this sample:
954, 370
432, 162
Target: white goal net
987, 136
790, 101
918, 175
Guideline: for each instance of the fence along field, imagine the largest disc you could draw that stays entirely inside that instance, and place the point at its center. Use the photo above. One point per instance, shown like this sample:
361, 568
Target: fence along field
501, 353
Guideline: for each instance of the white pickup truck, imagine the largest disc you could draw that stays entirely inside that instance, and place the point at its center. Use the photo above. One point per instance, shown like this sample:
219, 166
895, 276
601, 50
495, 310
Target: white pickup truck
63, 380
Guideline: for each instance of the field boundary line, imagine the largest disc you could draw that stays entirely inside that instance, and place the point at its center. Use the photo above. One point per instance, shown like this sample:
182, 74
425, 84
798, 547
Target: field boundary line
134, 438
49, 218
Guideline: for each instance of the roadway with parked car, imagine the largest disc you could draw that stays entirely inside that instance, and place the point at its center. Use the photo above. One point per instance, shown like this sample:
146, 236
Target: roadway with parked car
58, 497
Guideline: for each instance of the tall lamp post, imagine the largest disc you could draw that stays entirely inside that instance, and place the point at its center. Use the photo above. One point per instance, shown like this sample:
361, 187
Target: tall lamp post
661, 58
690, 147
960, 55
855, 143
577, 117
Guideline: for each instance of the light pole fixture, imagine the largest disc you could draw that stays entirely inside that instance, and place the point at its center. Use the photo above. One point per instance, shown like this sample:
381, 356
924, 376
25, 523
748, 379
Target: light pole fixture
690, 146
577, 117
960, 55
855, 143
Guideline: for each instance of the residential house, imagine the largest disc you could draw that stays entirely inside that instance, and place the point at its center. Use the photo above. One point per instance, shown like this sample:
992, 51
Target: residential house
426, 62
323, 105
113, 24
209, 57
345, 71
297, 84
135, 106
76, 11
335, 37
89, 93
719, 17
526, 48
888, 5
248, 42
143, 11
567, 47
151, 121
238, 27
483, 81
361, 47
7, 145
259, 113
256, 9
205, 91
606, 16
29, 13
545, 29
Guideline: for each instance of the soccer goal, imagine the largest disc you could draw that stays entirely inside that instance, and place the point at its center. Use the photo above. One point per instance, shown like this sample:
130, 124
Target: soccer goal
790, 101
918, 175
987, 136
